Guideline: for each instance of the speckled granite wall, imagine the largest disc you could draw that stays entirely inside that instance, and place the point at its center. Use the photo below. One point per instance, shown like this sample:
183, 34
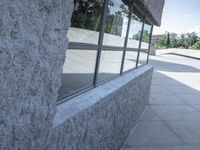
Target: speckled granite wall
102, 118
33, 43
154, 10
155, 7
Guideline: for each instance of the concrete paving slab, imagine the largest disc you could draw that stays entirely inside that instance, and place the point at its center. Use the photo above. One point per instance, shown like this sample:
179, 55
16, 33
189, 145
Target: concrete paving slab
149, 114
158, 89
189, 131
152, 133
193, 99
197, 107
172, 119
165, 99
186, 113
176, 147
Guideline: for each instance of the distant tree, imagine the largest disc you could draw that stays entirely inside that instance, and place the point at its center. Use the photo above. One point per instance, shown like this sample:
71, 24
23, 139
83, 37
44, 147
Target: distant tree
136, 36
187, 40
161, 43
196, 45
145, 36
168, 41
192, 38
173, 40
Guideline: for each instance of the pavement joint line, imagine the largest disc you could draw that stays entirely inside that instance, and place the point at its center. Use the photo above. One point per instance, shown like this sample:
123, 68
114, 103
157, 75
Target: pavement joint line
164, 121
168, 82
161, 145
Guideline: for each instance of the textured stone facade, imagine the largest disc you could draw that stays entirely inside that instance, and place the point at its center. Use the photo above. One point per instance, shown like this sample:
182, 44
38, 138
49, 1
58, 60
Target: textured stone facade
102, 118
154, 9
33, 43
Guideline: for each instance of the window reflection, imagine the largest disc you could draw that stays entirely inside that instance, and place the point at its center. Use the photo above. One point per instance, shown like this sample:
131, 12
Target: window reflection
116, 23
115, 32
110, 64
146, 37
130, 60
85, 21
78, 71
133, 43
135, 32
80, 63
144, 45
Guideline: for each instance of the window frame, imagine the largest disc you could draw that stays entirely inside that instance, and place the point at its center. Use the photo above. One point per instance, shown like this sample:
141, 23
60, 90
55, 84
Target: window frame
100, 47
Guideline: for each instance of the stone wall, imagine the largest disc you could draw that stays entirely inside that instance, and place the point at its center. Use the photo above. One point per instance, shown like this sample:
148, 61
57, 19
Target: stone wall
33, 43
102, 118
154, 10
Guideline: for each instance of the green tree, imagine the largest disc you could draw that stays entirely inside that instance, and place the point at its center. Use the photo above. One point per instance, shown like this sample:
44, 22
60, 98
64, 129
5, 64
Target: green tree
174, 40
168, 41
178, 41
145, 36
86, 14
136, 36
196, 45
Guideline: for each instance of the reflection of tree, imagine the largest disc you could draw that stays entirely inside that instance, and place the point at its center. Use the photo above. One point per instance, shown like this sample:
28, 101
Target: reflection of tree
168, 41
145, 36
86, 14
114, 20
114, 23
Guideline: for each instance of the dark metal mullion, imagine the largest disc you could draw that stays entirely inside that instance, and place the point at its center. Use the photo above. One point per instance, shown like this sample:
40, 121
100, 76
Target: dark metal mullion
140, 43
82, 46
151, 32
100, 42
126, 39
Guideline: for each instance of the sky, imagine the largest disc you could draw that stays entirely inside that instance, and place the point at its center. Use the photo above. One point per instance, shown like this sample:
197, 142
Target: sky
180, 16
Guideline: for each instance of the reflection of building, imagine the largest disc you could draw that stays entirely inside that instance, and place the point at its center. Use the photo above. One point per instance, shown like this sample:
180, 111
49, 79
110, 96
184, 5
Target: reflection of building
156, 38
105, 77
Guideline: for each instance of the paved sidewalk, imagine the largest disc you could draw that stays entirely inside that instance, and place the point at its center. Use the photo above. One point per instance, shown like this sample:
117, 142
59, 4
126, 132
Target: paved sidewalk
172, 119
184, 52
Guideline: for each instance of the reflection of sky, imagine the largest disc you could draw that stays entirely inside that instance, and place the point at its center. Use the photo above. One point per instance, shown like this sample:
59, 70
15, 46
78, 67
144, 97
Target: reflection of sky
147, 27
116, 6
135, 27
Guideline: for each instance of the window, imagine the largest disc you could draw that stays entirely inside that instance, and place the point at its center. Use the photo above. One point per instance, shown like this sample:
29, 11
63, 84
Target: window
79, 66
104, 40
113, 40
78, 71
85, 21
144, 45
133, 43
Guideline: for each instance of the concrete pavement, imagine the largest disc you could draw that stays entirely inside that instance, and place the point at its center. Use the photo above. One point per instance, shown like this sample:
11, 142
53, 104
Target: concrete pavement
171, 121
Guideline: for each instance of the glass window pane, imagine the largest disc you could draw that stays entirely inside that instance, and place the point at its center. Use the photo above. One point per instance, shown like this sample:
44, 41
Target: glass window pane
133, 43
144, 45
78, 71
116, 23
146, 36
110, 64
134, 33
130, 60
85, 21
